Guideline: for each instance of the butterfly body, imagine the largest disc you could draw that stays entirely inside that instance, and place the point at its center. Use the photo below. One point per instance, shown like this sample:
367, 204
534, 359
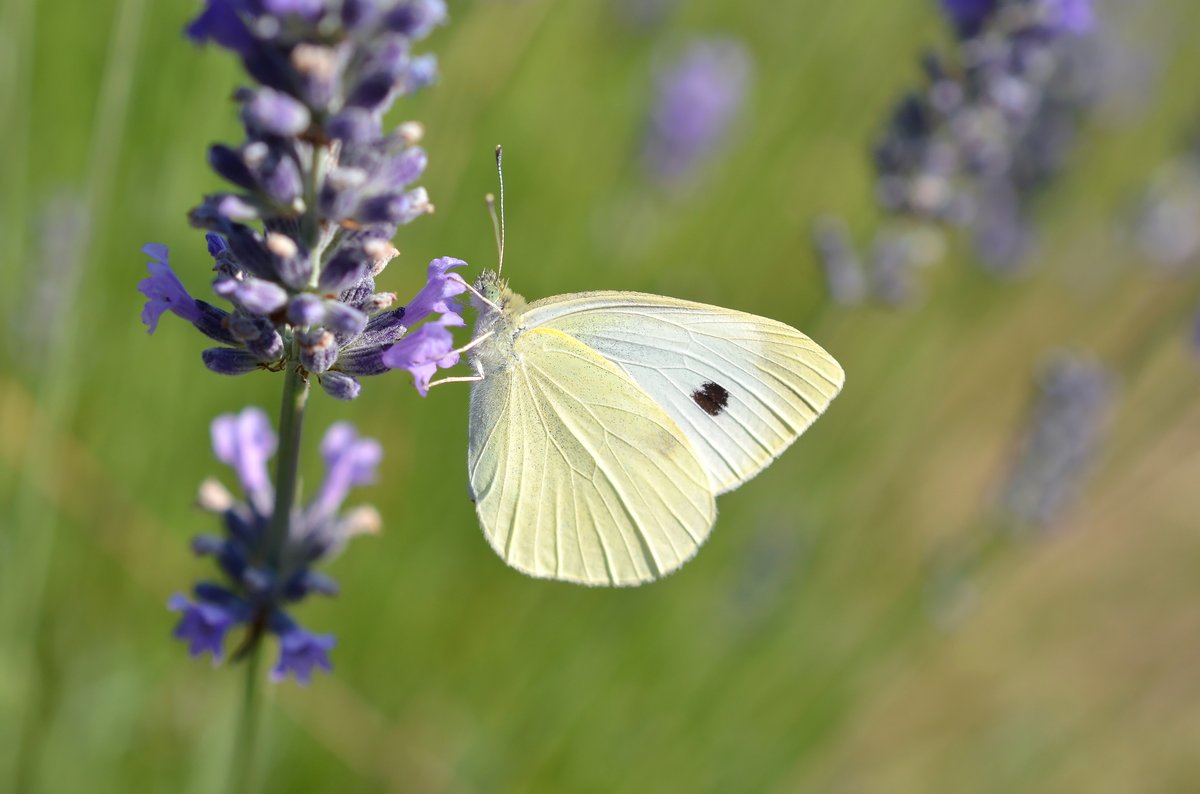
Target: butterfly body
605, 424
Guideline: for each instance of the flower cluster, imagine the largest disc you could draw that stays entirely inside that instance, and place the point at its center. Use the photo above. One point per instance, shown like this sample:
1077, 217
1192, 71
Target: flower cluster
992, 123
260, 582
1068, 416
697, 98
318, 190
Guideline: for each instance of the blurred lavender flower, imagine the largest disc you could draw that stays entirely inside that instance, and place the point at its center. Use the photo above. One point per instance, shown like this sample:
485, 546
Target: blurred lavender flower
697, 98
1064, 430
325, 187
844, 275
993, 123
1167, 225
889, 275
256, 593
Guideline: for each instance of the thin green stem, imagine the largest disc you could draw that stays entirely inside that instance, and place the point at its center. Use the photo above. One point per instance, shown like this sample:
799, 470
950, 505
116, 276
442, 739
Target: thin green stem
291, 423
243, 771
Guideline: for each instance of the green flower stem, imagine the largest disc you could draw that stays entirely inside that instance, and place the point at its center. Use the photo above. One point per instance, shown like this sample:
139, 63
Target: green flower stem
291, 423
243, 778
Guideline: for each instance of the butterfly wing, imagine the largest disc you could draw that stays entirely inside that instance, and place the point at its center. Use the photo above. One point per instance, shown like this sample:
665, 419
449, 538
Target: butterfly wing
577, 473
741, 387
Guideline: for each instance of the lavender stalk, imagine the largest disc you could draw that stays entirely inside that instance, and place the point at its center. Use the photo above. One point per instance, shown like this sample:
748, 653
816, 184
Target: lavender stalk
318, 190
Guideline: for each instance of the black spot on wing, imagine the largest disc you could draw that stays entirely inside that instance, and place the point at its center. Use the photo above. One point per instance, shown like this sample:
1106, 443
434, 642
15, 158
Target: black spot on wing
712, 398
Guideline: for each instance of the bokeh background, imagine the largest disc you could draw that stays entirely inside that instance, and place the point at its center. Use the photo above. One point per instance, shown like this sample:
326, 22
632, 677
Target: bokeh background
859, 621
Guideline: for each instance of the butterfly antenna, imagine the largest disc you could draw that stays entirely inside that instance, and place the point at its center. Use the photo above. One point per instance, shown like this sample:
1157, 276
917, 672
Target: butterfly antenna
498, 228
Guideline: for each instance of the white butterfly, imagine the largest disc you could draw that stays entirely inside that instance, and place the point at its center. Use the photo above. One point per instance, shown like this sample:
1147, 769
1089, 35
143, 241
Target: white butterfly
604, 424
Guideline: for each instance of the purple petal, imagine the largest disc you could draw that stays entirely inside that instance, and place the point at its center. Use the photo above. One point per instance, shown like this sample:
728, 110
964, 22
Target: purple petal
422, 352
436, 295
246, 442
349, 461
300, 652
202, 626
163, 290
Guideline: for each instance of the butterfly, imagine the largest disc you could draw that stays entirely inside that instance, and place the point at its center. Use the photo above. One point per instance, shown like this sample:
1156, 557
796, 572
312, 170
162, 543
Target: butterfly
604, 424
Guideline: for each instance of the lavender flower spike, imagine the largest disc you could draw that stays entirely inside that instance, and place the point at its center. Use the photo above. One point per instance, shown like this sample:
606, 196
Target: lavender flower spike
261, 583
163, 290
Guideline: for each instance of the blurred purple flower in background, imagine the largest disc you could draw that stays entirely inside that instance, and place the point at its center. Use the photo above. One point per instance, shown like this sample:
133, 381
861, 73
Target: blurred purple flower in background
993, 123
697, 98
1064, 429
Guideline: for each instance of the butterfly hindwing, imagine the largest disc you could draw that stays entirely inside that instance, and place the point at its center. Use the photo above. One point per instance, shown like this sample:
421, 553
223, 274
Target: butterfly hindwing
742, 388
577, 473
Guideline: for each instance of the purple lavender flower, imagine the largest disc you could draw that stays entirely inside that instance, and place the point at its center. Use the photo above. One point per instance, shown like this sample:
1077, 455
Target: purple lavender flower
246, 442
424, 351
990, 127
697, 99
1064, 431
163, 290
203, 626
300, 652
350, 461
259, 589
436, 295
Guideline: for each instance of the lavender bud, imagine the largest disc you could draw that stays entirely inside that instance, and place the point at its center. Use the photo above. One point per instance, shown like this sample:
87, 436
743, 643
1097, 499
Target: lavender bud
229, 164
384, 329
252, 294
275, 113
306, 309
339, 385
281, 181
364, 361
318, 350
344, 269
267, 348
355, 125
403, 168
214, 497
358, 294
207, 545
214, 323
397, 208
318, 69
249, 252
377, 302
345, 320
248, 327
291, 262
229, 361
416, 18
422, 72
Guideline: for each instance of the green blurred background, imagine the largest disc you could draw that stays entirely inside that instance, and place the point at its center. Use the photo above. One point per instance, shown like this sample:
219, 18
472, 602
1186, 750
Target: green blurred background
799, 651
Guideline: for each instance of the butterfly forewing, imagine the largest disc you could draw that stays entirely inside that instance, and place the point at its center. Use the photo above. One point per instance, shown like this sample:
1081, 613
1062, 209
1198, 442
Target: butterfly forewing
742, 388
577, 473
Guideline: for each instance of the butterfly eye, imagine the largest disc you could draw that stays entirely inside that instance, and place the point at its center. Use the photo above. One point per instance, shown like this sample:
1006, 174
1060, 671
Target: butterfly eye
712, 397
